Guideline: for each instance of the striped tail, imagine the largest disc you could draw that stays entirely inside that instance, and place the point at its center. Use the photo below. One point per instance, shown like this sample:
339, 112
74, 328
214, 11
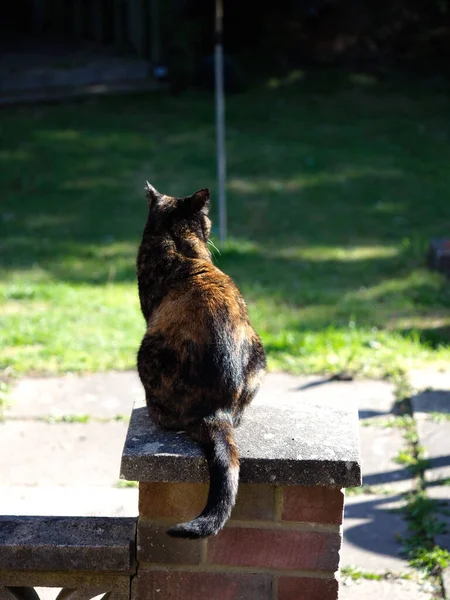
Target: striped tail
217, 438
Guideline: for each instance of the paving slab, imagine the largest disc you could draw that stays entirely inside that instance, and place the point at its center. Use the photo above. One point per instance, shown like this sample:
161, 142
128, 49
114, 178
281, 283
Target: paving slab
34, 453
423, 379
446, 582
431, 401
371, 529
434, 437
379, 447
441, 493
112, 393
99, 395
390, 589
70, 501
373, 398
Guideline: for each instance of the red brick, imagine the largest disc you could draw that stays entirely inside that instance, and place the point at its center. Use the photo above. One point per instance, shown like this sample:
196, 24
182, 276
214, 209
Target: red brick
275, 548
312, 504
177, 501
179, 585
304, 588
255, 501
155, 546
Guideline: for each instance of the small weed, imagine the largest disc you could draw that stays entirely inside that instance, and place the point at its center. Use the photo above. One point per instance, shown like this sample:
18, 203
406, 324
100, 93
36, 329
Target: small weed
122, 484
414, 461
431, 561
439, 417
356, 574
399, 421
4, 397
423, 525
379, 490
66, 418
121, 418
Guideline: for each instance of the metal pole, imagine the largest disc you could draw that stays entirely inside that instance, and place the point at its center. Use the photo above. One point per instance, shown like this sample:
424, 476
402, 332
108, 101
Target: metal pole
154, 27
220, 123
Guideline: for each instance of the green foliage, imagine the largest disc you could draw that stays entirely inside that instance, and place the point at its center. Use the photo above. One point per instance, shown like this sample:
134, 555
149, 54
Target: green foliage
122, 484
4, 397
379, 490
440, 417
423, 525
430, 561
414, 461
66, 418
356, 574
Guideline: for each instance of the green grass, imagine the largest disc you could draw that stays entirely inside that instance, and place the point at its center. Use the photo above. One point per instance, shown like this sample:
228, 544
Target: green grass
334, 192
122, 484
356, 574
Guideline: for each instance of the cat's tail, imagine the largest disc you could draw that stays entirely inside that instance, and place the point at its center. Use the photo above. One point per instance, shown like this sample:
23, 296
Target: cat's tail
217, 438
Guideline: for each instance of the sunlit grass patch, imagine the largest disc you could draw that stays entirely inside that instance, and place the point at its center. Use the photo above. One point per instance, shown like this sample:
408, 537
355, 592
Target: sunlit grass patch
333, 198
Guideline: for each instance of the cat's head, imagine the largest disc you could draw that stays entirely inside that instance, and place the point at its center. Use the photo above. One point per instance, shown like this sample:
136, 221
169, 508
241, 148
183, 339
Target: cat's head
182, 217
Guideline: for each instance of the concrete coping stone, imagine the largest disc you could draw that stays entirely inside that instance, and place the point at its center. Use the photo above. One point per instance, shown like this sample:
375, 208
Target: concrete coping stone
99, 544
287, 442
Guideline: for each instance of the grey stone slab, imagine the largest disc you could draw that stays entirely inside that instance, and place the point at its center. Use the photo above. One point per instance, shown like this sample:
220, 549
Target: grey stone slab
373, 398
61, 543
84, 584
60, 454
69, 501
446, 583
391, 589
441, 494
435, 439
371, 528
288, 436
99, 395
430, 378
379, 447
431, 401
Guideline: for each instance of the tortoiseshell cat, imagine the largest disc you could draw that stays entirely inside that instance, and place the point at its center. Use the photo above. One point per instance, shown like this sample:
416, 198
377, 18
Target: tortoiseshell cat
200, 362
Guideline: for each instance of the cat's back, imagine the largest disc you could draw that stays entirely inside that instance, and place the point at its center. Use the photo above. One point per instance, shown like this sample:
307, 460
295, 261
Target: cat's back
201, 304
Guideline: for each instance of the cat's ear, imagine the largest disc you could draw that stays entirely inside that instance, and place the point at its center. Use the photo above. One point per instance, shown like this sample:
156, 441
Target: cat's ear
152, 194
200, 201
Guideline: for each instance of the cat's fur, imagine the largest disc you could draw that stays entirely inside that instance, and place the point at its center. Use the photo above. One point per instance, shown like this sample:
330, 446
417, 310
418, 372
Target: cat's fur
200, 361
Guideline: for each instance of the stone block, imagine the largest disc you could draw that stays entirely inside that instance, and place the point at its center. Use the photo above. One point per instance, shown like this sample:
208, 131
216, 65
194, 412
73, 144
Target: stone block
81, 585
64, 544
292, 443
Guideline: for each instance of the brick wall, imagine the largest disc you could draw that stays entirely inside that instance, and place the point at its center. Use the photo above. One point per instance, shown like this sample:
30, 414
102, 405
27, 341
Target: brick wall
281, 543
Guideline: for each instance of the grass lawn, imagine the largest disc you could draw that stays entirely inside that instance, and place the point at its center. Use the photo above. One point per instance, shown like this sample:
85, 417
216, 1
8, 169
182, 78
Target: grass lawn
334, 192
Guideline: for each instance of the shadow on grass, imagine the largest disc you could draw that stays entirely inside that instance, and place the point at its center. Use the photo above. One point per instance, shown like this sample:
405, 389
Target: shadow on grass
309, 181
